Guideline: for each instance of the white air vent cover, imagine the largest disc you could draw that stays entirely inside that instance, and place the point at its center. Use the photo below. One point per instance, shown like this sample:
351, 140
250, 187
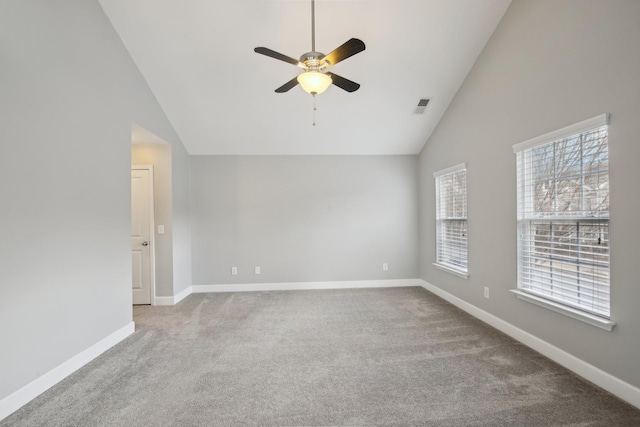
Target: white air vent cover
422, 105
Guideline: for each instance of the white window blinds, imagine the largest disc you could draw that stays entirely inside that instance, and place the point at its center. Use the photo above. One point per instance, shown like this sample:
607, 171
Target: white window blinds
563, 216
451, 218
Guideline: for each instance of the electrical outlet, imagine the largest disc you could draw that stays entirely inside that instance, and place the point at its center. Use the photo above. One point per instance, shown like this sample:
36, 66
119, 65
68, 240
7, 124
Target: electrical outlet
257, 270
234, 270
486, 292
385, 267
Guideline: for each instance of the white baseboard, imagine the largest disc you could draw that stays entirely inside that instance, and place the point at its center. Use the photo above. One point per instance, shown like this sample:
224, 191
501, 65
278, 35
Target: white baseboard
613, 385
174, 299
164, 301
289, 286
182, 295
19, 398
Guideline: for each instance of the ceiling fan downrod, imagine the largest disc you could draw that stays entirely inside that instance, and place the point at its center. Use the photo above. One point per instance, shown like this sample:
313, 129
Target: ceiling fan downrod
311, 60
313, 25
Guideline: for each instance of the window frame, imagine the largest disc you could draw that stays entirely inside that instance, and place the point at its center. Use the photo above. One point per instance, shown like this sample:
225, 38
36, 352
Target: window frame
440, 263
526, 217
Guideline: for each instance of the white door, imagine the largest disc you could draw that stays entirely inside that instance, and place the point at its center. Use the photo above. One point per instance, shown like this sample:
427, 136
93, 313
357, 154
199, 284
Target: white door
141, 198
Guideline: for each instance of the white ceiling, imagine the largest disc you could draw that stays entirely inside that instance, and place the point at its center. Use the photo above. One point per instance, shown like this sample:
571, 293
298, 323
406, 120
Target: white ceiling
197, 57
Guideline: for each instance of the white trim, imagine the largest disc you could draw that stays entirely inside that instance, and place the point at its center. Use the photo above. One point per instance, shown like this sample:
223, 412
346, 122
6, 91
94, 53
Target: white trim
574, 129
613, 385
152, 230
174, 299
164, 301
450, 270
288, 286
182, 295
21, 397
452, 169
590, 319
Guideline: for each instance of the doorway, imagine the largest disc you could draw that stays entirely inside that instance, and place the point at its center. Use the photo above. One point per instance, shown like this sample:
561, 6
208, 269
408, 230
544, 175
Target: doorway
142, 242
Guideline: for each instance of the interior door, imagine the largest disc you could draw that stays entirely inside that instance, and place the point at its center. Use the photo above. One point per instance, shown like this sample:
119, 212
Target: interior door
141, 196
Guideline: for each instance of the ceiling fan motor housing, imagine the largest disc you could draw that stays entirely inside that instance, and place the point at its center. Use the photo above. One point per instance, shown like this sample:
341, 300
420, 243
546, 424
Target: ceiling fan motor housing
313, 61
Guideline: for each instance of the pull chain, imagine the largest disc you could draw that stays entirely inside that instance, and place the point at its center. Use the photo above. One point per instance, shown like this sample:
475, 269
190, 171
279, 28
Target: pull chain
314, 109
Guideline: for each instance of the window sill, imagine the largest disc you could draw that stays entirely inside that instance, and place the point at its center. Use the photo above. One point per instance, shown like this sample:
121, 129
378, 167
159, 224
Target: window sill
590, 319
451, 270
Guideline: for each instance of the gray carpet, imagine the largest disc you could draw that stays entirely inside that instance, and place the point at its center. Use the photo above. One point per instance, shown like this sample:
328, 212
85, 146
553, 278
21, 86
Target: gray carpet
396, 356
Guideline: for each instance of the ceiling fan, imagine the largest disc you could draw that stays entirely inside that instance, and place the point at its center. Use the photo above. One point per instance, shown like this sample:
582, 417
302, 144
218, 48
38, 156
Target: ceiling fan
315, 79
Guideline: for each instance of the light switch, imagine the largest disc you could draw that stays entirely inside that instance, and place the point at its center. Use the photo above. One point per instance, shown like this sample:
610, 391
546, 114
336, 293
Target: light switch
161, 229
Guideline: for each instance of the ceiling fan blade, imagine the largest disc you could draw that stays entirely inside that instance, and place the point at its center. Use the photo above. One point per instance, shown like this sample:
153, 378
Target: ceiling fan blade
343, 83
349, 48
288, 85
276, 55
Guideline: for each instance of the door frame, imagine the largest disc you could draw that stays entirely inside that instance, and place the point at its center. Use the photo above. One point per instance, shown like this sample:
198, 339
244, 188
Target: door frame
152, 227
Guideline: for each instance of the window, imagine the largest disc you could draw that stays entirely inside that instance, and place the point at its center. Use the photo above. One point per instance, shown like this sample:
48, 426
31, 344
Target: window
451, 219
563, 217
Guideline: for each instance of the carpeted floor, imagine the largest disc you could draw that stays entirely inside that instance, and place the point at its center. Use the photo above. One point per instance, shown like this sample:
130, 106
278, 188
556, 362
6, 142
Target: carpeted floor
395, 356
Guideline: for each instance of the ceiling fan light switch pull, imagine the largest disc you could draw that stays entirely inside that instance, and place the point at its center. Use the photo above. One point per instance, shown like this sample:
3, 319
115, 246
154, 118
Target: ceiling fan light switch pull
314, 109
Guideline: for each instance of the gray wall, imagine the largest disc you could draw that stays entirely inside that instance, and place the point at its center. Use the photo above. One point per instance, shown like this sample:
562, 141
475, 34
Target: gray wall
70, 93
303, 218
549, 64
181, 219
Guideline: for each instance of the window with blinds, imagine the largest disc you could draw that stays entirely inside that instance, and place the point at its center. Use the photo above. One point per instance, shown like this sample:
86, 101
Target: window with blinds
451, 219
563, 216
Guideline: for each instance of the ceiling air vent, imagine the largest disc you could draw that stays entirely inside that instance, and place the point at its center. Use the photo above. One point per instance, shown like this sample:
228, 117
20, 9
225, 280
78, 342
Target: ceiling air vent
422, 105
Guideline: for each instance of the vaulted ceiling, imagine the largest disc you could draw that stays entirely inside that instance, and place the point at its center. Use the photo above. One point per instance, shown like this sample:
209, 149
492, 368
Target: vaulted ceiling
197, 57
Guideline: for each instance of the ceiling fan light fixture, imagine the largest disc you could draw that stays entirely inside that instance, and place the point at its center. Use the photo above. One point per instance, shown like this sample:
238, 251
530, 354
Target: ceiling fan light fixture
314, 82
